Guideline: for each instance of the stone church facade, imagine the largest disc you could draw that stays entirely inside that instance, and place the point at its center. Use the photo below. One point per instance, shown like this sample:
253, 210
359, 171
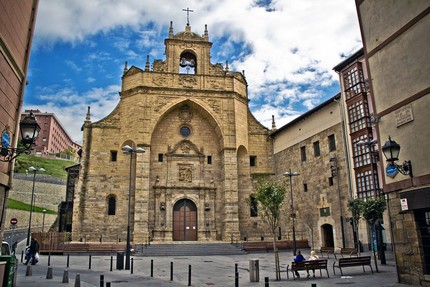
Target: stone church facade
203, 150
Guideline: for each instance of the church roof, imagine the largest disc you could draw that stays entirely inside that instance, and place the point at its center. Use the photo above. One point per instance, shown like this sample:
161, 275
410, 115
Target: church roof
188, 35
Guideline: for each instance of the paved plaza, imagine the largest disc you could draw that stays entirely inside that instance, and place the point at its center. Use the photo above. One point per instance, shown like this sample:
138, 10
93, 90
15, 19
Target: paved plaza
205, 271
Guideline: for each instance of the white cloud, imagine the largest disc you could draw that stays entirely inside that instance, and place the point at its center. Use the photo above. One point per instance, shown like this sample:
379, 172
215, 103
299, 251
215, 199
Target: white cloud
70, 107
287, 54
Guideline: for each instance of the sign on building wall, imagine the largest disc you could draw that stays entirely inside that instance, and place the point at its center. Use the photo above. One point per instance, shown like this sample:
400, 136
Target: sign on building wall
404, 115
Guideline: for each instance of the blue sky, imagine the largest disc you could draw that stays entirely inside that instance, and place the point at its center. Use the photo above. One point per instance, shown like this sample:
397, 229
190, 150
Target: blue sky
287, 49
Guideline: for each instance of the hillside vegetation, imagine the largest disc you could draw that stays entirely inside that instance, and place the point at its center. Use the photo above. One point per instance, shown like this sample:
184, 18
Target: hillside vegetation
16, 204
54, 167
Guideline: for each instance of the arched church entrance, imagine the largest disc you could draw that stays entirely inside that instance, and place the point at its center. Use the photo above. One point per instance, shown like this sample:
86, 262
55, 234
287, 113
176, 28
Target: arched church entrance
327, 235
184, 221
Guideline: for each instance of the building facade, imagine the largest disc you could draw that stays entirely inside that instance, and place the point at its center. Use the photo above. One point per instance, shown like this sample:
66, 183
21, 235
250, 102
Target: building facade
313, 146
396, 42
203, 150
361, 138
53, 138
16, 34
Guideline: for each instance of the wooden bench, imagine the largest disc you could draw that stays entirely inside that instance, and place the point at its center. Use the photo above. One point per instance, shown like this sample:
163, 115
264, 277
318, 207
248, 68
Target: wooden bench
348, 251
257, 246
320, 264
352, 261
328, 251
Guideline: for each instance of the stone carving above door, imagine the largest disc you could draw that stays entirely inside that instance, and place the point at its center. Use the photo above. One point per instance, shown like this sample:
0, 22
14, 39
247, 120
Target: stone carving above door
185, 173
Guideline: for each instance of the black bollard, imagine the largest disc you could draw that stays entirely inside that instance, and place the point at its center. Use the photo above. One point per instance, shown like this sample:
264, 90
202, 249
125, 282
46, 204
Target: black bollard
49, 259
171, 271
236, 279
89, 262
131, 269
235, 268
152, 268
68, 260
22, 255
111, 263
314, 285
102, 280
266, 281
107, 284
189, 275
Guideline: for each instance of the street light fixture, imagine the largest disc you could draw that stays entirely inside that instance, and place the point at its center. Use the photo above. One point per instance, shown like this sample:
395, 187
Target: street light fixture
29, 131
290, 174
43, 220
391, 151
34, 171
370, 144
129, 150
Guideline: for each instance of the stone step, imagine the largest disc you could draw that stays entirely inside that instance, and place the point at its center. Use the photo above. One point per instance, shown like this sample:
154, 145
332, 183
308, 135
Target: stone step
182, 249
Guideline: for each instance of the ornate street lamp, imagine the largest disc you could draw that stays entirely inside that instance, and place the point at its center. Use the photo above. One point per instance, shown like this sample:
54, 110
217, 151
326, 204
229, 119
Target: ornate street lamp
290, 174
43, 220
391, 151
129, 150
34, 171
29, 131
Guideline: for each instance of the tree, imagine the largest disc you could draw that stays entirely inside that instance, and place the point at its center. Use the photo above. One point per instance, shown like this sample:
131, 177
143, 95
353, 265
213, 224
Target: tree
373, 209
310, 220
355, 207
268, 200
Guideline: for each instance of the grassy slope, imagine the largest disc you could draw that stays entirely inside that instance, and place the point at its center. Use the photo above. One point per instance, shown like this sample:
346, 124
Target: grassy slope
52, 167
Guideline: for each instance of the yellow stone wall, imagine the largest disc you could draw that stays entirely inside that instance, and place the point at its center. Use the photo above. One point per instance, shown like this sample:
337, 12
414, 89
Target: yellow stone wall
154, 105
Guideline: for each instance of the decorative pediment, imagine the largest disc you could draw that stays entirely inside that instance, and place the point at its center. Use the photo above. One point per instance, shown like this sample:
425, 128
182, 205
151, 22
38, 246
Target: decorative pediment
185, 148
133, 70
188, 36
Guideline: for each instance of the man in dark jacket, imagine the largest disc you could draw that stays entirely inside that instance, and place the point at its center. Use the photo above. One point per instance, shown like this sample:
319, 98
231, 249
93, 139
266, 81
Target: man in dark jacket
34, 248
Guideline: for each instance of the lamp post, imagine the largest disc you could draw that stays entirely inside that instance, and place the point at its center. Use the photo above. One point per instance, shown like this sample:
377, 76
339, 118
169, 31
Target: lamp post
290, 174
43, 220
370, 144
29, 131
391, 151
129, 150
34, 171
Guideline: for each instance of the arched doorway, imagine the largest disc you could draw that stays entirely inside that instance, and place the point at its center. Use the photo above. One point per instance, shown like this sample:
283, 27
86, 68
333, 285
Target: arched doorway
327, 235
184, 221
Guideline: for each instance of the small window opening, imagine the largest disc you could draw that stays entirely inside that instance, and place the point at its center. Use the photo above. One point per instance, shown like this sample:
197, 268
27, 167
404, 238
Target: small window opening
160, 157
113, 155
331, 143
253, 207
252, 160
111, 205
303, 153
209, 159
317, 149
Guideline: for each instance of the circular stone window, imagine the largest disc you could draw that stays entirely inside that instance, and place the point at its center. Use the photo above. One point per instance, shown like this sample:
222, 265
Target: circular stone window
185, 131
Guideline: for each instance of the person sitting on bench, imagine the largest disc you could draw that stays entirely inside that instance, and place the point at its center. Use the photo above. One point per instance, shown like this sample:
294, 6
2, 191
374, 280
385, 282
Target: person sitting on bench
299, 258
313, 256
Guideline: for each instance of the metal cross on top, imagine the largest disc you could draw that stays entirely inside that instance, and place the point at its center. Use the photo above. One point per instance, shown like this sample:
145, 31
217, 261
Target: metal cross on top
188, 15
